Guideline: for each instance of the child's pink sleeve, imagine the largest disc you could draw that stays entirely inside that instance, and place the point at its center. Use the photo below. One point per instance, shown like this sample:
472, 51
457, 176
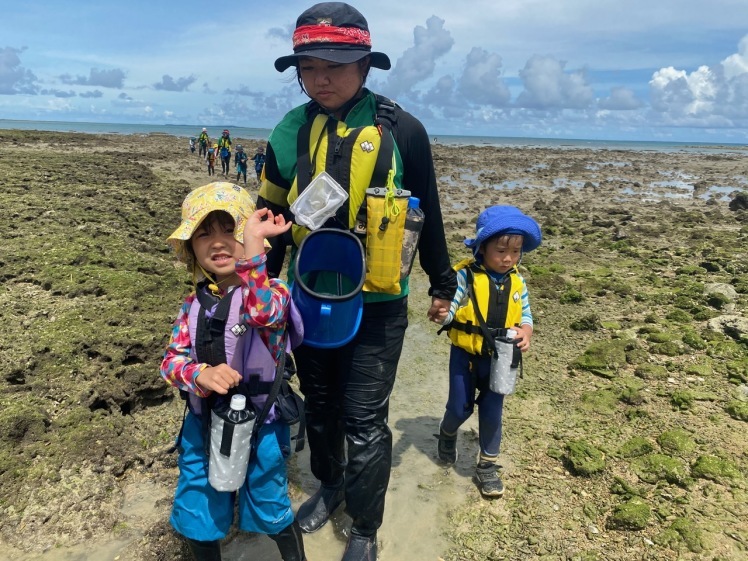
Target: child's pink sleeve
266, 300
178, 367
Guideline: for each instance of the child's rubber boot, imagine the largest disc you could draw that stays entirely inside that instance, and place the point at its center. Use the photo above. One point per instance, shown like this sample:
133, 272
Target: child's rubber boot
487, 478
205, 551
290, 543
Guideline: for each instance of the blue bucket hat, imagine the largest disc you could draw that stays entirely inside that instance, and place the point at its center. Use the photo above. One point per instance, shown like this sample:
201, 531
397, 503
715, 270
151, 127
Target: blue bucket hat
505, 219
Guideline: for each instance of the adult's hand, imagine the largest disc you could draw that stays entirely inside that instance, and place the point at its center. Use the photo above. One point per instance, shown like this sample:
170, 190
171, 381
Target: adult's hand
438, 310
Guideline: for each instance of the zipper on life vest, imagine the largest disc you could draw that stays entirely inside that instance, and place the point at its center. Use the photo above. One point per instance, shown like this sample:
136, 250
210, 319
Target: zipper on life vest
338, 146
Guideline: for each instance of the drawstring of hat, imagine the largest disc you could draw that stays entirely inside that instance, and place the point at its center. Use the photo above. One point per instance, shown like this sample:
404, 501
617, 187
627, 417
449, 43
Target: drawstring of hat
214, 285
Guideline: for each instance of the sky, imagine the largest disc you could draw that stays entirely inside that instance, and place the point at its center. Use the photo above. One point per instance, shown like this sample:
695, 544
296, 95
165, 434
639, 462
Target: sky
662, 70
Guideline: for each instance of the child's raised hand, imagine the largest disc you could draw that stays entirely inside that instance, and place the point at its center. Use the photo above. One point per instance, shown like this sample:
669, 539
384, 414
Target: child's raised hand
262, 224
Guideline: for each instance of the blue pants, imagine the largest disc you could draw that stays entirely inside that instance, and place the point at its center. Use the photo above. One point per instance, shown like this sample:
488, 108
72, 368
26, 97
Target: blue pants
202, 513
466, 372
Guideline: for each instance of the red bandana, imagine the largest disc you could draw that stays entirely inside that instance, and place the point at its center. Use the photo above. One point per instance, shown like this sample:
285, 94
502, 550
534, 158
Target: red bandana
309, 34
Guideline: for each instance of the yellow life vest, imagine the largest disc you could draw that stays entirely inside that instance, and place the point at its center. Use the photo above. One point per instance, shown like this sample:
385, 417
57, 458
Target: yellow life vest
499, 306
360, 159
357, 158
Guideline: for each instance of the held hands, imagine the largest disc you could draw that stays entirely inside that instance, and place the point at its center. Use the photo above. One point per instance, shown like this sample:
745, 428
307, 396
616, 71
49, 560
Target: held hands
524, 334
218, 379
260, 225
439, 310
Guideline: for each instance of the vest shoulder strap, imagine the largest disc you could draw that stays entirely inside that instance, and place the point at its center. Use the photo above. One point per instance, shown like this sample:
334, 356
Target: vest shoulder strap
210, 343
386, 115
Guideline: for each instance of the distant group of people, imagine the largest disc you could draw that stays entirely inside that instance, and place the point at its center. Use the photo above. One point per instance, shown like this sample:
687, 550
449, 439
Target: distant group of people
235, 331
221, 150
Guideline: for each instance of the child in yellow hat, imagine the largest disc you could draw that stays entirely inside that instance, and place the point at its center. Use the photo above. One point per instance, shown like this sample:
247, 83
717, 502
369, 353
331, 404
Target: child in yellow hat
229, 338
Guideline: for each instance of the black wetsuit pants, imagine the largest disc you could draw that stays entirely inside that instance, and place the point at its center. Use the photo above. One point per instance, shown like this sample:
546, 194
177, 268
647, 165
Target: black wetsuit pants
347, 393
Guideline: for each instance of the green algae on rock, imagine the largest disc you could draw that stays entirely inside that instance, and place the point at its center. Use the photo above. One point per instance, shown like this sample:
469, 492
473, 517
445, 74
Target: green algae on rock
636, 446
634, 515
676, 441
715, 468
653, 468
584, 458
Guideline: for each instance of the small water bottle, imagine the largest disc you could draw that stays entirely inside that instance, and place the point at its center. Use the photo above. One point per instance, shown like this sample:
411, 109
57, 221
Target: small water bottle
503, 377
413, 225
230, 441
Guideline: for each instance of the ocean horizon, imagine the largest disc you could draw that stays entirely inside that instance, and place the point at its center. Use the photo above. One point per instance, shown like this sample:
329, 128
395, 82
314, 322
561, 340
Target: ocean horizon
187, 131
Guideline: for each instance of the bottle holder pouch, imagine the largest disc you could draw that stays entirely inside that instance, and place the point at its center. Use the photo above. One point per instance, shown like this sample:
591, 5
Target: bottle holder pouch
230, 448
505, 366
385, 225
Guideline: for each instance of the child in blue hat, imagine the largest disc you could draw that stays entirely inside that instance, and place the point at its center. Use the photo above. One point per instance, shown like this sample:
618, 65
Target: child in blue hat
491, 299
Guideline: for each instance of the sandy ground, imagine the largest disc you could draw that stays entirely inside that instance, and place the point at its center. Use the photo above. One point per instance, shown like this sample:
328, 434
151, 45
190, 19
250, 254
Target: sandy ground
628, 236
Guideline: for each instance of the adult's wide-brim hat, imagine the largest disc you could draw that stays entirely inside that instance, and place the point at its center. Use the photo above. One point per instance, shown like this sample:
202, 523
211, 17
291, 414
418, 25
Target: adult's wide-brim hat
332, 31
199, 203
505, 219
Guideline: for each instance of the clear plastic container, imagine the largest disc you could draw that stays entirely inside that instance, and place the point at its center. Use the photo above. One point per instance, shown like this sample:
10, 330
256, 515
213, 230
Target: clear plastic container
230, 443
413, 225
318, 201
503, 377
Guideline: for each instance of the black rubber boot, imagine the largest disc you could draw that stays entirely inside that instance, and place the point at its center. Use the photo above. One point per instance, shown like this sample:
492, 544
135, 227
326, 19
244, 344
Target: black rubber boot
205, 551
361, 548
290, 543
315, 512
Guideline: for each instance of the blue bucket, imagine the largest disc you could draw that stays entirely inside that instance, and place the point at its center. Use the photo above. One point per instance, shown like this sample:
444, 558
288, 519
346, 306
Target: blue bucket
328, 276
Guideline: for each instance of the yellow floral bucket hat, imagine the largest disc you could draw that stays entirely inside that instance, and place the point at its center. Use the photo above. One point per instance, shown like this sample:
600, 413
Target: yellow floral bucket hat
199, 203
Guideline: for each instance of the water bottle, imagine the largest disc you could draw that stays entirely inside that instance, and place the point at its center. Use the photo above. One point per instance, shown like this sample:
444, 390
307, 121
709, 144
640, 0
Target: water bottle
413, 226
503, 377
230, 440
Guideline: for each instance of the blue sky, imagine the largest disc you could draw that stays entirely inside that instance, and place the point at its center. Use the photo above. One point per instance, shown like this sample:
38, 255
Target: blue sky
601, 69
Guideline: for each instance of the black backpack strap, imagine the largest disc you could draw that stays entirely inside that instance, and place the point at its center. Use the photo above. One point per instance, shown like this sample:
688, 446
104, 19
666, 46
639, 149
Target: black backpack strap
206, 420
488, 339
210, 343
291, 405
386, 115
272, 395
178, 441
303, 158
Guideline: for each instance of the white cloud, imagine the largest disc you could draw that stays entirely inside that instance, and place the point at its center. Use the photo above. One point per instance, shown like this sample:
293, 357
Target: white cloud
417, 63
737, 64
169, 84
114, 78
481, 82
547, 86
14, 78
621, 99
708, 97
